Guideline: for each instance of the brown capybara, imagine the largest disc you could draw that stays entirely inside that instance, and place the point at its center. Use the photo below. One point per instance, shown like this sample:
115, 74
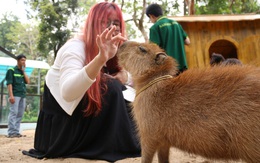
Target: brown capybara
213, 112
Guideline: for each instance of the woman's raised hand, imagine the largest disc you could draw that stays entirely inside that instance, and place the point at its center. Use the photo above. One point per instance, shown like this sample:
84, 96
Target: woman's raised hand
108, 43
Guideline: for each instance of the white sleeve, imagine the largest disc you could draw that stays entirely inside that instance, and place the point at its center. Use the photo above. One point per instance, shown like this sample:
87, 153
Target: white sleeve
74, 81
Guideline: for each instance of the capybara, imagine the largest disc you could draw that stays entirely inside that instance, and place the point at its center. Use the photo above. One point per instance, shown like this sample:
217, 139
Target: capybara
213, 112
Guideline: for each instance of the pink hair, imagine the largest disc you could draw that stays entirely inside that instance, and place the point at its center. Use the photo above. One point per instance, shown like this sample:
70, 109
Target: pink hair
97, 16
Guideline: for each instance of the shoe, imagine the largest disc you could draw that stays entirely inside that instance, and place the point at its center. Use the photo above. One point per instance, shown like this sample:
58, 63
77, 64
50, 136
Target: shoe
12, 136
34, 153
19, 135
15, 136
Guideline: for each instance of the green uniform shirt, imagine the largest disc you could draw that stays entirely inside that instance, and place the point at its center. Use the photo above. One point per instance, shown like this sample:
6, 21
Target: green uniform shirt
15, 77
170, 36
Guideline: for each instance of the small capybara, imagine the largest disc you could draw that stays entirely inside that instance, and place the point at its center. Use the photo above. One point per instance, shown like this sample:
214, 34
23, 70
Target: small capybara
213, 112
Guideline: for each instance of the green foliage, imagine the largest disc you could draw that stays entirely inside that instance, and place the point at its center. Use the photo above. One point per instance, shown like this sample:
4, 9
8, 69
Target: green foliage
19, 38
30, 116
38, 75
32, 109
7, 23
53, 16
24, 36
134, 13
84, 6
170, 8
226, 6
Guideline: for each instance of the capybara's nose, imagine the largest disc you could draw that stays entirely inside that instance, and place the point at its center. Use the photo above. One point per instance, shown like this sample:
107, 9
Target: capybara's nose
122, 47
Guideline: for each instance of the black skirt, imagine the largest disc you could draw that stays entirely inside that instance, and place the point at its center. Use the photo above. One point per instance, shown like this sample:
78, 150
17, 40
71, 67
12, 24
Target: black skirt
110, 136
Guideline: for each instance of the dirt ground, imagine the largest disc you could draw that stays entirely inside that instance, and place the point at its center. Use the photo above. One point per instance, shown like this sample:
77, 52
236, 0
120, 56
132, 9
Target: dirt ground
11, 152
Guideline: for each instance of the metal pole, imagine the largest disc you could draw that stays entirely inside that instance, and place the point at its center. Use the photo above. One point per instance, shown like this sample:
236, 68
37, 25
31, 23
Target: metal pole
39, 82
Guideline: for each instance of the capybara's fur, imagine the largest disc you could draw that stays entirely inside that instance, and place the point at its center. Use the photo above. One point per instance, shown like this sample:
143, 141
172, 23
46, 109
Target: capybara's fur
213, 112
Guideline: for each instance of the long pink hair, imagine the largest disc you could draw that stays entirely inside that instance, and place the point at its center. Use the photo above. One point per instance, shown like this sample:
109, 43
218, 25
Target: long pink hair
97, 16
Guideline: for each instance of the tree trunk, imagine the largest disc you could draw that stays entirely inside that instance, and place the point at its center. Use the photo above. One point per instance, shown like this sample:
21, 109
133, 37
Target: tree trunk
191, 6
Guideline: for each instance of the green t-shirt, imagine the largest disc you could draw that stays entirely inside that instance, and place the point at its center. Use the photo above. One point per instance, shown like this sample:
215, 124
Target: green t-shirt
170, 36
15, 77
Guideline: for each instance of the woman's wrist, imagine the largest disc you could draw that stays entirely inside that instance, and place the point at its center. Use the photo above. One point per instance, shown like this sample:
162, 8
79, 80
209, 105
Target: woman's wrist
101, 61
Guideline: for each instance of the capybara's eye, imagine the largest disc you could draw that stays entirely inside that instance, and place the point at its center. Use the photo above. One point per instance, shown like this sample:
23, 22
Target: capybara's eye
142, 49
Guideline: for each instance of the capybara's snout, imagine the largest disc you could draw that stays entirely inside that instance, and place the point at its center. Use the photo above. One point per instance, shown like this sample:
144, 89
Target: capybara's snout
127, 48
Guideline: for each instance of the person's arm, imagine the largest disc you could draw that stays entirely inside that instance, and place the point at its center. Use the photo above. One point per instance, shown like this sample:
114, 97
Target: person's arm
187, 40
74, 80
26, 78
9, 82
11, 95
185, 36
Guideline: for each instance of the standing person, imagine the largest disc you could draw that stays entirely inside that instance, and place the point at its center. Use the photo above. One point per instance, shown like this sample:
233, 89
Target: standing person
16, 80
168, 34
84, 113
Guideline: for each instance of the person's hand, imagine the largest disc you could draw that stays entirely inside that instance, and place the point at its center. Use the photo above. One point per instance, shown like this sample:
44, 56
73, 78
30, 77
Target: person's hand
11, 99
23, 68
108, 44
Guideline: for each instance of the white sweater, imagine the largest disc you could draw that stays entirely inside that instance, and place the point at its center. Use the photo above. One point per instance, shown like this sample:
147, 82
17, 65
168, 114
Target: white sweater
67, 78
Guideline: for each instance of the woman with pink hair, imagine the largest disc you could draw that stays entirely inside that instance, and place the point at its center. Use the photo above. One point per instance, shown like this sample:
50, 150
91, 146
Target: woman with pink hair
84, 113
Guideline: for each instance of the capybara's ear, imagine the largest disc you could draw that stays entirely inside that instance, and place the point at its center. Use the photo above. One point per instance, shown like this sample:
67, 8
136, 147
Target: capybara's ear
160, 57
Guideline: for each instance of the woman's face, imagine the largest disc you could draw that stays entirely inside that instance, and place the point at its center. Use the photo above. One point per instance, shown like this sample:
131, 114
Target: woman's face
113, 19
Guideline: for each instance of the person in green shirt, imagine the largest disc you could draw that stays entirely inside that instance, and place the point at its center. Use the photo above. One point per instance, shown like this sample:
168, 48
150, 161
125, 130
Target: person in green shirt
168, 34
16, 80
